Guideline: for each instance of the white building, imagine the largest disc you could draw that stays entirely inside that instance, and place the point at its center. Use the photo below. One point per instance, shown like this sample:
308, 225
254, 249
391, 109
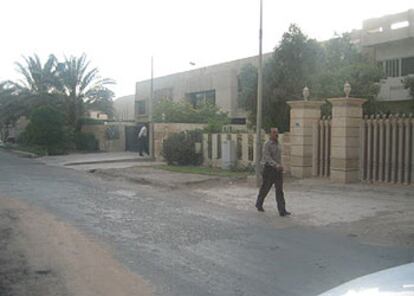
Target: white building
218, 84
389, 39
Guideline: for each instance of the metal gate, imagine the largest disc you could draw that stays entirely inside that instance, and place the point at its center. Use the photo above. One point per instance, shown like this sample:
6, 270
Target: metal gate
387, 152
321, 158
131, 138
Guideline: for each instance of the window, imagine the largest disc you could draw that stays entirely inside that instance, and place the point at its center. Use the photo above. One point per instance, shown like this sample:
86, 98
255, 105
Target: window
197, 99
407, 66
238, 120
140, 107
375, 30
400, 25
392, 68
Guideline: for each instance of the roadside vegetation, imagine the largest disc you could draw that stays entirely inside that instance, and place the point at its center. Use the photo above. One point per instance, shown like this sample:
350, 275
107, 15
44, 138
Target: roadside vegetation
54, 96
297, 61
409, 84
323, 67
184, 112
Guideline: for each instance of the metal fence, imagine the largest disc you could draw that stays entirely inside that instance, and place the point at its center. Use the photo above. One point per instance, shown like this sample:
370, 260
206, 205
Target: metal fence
321, 158
387, 149
245, 145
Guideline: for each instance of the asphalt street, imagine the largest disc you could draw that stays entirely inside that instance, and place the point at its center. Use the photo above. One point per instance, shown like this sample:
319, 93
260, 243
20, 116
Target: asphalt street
185, 246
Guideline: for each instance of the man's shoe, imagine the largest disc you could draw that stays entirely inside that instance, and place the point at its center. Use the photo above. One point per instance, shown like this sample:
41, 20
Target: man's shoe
285, 213
260, 209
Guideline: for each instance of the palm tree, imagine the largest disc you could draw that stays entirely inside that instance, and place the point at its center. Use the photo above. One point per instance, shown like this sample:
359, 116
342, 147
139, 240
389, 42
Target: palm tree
82, 87
38, 79
39, 84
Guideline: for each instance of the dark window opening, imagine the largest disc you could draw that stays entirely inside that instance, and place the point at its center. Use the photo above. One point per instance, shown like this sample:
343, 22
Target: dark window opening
392, 68
407, 66
238, 121
197, 99
140, 107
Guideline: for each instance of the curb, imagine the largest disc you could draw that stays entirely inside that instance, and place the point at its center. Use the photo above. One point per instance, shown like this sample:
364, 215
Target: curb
107, 161
20, 153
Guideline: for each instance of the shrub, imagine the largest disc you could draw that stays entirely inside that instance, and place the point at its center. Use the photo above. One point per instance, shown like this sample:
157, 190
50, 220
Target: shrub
184, 112
179, 148
86, 142
47, 130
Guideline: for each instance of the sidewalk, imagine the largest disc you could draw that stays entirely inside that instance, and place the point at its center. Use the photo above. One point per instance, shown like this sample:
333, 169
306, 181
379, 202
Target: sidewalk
91, 161
128, 166
373, 213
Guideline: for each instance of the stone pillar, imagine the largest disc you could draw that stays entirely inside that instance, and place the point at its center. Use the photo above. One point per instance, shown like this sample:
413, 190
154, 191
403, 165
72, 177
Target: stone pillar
303, 115
345, 148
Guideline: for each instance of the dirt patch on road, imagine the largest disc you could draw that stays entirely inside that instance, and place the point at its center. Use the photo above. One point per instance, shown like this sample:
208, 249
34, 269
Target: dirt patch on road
42, 256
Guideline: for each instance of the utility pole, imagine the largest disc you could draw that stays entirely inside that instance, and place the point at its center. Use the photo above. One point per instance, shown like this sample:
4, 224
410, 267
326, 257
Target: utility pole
259, 100
150, 117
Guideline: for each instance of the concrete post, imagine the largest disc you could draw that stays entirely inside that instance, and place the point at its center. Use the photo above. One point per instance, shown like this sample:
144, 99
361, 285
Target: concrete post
245, 149
303, 115
346, 123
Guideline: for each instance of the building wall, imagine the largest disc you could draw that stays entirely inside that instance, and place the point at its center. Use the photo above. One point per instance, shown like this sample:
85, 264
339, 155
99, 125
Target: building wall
98, 115
105, 144
223, 78
378, 37
125, 108
383, 41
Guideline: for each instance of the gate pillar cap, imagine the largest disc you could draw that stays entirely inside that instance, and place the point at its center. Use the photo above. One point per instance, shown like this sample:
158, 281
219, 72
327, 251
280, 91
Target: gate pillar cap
305, 104
347, 101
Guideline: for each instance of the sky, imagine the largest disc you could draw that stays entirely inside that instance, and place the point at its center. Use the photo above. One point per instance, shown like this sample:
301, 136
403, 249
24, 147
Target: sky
119, 37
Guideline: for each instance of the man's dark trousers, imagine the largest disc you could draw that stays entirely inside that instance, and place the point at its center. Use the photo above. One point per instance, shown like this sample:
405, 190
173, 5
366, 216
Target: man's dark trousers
272, 176
143, 145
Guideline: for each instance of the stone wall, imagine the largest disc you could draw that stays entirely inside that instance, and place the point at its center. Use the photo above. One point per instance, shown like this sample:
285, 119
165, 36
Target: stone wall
101, 134
245, 146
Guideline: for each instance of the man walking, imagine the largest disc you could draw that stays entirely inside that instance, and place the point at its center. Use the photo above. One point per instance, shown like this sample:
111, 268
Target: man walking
272, 173
142, 141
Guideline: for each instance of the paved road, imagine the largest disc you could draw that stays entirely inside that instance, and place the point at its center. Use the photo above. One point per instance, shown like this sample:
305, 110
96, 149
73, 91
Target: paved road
185, 246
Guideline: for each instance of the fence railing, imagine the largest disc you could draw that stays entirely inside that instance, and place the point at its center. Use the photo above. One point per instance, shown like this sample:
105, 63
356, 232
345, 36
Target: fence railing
387, 149
245, 145
321, 158
212, 143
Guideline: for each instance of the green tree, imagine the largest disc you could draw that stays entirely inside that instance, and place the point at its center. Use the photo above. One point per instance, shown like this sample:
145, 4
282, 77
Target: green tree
292, 66
38, 86
343, 62
38, 79
248, 87
300, 61
409, 84
47, 130
183, 112
82, 87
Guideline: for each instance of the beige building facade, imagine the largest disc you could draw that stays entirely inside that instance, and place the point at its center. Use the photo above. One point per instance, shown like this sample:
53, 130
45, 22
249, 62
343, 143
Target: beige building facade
217, 84
390, 41
125, 108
